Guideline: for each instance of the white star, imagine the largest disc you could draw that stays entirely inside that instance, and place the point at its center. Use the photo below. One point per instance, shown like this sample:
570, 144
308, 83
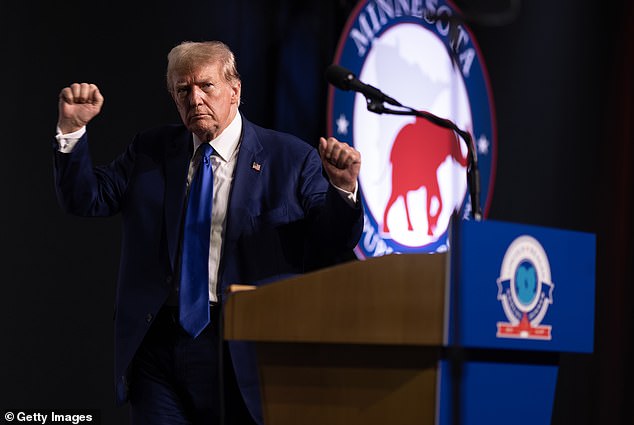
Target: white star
483, 145
342, 125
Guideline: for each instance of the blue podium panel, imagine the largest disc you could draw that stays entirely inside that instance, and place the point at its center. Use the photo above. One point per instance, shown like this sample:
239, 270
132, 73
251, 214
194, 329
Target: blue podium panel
494, 393
522, 287
519, 295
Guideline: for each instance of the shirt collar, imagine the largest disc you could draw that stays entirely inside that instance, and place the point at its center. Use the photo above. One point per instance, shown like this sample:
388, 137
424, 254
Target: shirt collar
227, 142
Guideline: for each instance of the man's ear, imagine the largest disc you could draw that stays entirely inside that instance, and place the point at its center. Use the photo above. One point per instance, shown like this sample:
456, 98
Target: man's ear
236, 91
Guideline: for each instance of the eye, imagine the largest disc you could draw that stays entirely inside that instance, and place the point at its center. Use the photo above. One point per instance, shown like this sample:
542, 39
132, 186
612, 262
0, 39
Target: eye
182, 91
206, 86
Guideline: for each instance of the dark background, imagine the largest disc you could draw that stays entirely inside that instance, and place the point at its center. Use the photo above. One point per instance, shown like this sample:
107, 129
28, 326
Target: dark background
561, 74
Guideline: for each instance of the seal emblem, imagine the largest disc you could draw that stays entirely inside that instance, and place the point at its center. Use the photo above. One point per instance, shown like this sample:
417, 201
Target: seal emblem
525, 290
413, 177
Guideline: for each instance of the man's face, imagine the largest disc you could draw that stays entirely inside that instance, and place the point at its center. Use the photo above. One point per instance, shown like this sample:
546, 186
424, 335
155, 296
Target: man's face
206, 101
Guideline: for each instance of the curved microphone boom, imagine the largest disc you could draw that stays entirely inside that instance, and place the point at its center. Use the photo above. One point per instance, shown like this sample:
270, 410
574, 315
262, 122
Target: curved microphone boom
344, 79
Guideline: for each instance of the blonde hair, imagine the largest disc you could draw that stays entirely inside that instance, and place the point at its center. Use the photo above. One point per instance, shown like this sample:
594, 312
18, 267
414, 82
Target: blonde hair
189, 54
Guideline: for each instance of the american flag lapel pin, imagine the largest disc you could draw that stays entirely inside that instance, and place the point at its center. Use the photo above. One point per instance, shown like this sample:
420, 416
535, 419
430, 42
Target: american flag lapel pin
256, 166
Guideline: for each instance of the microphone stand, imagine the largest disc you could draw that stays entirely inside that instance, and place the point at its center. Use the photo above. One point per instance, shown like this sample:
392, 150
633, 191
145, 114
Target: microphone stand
455, 353
473, 174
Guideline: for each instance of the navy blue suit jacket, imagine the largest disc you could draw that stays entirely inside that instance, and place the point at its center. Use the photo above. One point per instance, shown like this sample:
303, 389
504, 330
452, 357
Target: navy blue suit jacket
284, 218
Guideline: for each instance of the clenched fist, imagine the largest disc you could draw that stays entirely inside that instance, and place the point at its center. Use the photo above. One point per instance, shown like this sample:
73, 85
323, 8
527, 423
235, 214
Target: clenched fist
78, 104
341, 162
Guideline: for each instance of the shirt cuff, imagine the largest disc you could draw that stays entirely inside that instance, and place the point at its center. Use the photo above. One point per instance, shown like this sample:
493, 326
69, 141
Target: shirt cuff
349, 197
66, 142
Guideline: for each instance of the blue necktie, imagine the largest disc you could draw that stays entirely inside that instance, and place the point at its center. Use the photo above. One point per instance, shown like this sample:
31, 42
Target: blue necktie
194, 285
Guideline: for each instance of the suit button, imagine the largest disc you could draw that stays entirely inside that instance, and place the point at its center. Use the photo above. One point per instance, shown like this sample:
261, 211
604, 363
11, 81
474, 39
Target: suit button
149, 317
168, 280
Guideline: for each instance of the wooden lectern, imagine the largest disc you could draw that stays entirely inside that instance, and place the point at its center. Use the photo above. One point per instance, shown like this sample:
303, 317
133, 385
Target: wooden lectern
358, 343
471, 337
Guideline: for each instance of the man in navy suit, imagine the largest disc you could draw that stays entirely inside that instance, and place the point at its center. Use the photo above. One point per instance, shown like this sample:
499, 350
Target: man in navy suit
280, 207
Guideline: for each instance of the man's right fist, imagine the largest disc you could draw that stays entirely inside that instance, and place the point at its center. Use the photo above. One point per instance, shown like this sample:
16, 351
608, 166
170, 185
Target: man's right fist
78, 104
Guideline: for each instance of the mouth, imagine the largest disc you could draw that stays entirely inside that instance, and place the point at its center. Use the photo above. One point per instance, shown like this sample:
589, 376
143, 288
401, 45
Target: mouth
195, 117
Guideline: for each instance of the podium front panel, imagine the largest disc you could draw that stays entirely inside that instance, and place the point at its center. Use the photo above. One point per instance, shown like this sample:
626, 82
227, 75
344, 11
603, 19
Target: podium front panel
522, 287
498, 393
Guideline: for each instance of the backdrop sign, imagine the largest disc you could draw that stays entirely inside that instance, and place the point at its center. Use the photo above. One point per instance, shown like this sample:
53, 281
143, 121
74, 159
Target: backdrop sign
413, 175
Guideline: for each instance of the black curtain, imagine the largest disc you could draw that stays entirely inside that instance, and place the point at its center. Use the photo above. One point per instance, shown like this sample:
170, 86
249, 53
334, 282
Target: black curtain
611, 370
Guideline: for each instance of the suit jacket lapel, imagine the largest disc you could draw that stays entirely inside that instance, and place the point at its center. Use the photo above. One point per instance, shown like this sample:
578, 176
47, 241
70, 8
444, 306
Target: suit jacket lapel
246, 181
177, 156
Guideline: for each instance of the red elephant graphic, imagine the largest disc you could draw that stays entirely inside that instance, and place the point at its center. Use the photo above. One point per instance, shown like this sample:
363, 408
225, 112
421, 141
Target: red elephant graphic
418, 151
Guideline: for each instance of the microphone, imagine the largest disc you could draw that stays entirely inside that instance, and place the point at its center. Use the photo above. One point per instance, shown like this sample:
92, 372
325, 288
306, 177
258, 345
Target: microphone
344, 79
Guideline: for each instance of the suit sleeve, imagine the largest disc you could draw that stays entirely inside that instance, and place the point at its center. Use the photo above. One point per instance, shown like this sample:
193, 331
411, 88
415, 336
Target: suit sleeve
85, 190
335, 226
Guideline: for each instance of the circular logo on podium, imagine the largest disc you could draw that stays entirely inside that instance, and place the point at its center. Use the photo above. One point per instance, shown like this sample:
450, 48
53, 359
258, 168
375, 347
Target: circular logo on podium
413, 176
525, 290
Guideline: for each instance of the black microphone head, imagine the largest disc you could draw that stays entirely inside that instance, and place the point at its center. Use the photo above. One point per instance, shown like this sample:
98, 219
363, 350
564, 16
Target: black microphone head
339, 77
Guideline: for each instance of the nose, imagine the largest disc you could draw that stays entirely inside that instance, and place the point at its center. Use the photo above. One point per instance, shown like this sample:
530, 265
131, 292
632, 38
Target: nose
195, 96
